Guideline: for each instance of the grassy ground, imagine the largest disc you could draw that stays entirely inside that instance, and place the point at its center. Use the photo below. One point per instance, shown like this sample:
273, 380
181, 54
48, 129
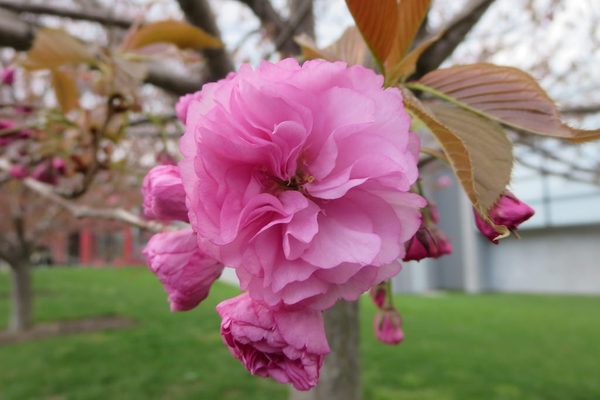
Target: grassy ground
456, 347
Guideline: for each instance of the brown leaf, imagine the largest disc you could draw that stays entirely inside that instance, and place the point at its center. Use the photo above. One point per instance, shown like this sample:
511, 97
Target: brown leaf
181, 34
410, 17
406, 67
377, 22
65, 90
53, 48
349, 47
505, 94
489, 150
476, 148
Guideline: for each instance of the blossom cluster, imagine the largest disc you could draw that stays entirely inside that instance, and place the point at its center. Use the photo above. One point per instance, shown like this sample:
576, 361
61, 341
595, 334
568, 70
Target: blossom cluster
299, 178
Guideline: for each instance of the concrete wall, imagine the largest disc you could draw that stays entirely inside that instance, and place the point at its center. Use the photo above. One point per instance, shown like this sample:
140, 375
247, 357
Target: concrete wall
551, 260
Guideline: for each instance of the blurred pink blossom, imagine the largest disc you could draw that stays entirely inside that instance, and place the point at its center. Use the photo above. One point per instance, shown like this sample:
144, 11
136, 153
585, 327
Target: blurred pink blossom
19, 171
288, 346
7, 76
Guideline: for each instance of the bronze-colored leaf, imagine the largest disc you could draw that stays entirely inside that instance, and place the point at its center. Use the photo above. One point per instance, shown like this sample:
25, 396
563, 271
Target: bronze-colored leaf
406, 67
473, 145
349, 47
377, 21
181, 34
65, 90
410, 17
505, 94
489, 150
53, 48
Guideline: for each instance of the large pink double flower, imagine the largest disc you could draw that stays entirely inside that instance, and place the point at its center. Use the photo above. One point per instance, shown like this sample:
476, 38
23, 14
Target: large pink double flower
301, 176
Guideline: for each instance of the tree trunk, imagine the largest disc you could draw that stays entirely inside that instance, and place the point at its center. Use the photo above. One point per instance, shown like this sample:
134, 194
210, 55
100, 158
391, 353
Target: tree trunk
340, 375
22, 302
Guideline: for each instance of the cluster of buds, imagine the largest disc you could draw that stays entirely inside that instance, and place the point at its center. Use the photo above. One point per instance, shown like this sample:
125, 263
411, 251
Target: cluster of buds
387, 323
429, 241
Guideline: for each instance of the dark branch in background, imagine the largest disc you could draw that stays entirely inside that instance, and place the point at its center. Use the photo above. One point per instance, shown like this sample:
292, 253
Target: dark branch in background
274, 24
19, 34
198, 13
101, 18
301, 15
581, 110
454, 34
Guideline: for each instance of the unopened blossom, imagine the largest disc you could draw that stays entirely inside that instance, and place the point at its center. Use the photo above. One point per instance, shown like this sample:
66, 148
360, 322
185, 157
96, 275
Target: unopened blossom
164, 196
7, 76
378, 294
19, 171
508, 211
301, 175
288, 346
429, 241
388, 326
186, 270
8, 138
44, 172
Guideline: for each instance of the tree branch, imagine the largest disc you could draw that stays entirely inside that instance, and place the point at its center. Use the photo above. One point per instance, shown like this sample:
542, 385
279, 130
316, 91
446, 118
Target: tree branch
453, 35
82, 211
274, 24
101, 18
198, 12
581, 109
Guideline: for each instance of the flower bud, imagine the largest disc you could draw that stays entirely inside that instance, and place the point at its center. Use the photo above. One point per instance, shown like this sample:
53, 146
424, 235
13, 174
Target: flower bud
508, 211
164, 196
388, 326
429, 241
7, 76
378, 294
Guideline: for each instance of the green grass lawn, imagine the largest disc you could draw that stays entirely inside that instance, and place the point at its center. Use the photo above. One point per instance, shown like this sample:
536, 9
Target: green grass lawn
490, 346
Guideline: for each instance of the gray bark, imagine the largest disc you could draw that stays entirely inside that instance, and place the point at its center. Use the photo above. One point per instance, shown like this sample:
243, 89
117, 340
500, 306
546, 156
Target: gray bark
340, 375
22, 298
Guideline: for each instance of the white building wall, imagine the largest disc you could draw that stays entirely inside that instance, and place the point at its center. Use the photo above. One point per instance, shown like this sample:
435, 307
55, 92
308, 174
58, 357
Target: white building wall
551, 260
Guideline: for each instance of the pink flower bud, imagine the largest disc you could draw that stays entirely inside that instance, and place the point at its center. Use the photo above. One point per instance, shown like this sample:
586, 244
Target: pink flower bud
44, 172
7, 76
388, 326
378, 294
186, 270
508, 211
164, 196
429, 241
288, 346
59, 165
19, 171
164, 158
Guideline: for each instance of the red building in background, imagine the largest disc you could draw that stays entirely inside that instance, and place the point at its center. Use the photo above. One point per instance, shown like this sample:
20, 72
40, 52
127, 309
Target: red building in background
98, 247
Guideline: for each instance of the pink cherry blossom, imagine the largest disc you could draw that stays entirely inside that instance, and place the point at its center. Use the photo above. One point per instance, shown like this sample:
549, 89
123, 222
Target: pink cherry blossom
388, 326
186, 270
7, 76
301, 175
19, 171
508, 211
288, 346
164, 197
